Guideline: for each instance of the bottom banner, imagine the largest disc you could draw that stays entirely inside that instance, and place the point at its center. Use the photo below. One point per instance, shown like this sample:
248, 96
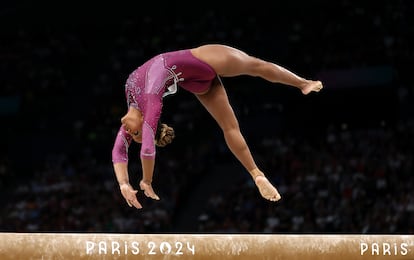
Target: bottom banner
198, 246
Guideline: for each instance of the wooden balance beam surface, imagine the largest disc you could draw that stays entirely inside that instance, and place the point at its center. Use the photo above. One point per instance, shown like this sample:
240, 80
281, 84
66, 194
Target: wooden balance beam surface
197, 246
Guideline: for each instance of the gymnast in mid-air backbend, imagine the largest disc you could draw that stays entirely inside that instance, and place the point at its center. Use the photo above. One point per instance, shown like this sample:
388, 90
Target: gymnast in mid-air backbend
197, 70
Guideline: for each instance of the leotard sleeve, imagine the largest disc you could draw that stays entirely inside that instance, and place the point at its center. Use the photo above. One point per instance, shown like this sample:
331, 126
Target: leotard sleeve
121, 145
153, 106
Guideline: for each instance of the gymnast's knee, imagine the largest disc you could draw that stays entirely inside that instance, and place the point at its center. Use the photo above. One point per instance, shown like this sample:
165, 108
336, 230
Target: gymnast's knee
231, 129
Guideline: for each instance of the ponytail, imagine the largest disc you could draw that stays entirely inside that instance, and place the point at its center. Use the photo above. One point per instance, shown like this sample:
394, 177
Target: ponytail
164, 135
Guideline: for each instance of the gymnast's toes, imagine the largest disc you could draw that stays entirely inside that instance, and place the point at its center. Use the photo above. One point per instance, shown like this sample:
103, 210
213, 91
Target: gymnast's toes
266, 189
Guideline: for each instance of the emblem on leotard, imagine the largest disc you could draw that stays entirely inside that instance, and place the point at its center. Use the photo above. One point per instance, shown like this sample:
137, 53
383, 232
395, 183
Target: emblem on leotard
130, 96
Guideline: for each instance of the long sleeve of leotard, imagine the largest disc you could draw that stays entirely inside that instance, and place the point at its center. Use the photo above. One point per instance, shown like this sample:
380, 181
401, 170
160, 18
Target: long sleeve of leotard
121, 145
152, 112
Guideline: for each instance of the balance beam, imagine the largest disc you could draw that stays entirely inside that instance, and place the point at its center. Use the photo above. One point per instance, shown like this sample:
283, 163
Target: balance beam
198, 246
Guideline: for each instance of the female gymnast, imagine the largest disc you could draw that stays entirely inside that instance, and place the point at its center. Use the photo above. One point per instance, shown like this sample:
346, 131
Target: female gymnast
197, 70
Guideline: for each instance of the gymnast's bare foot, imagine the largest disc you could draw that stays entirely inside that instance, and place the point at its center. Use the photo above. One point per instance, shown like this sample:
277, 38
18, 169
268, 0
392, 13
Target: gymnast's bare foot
266, 189
311, 86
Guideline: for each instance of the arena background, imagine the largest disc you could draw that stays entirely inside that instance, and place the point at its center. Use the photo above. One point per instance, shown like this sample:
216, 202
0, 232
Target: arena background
342, 158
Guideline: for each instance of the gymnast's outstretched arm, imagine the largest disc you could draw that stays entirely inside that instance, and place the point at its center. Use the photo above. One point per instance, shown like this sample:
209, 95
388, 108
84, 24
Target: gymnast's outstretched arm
127, 191
120, 163
149, 127
147, 173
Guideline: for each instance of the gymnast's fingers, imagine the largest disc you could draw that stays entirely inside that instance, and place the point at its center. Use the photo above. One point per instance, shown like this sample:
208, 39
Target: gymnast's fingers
132, 199
148, 191
134, 202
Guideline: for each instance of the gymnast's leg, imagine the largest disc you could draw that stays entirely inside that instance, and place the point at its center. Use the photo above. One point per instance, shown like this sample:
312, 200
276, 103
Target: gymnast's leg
217, 104
228, 62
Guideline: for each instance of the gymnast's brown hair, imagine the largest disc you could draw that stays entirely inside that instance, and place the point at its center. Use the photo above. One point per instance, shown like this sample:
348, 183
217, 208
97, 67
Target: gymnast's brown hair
164, 135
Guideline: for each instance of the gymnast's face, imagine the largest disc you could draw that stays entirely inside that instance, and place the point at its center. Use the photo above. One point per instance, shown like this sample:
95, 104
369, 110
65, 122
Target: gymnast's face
132, 123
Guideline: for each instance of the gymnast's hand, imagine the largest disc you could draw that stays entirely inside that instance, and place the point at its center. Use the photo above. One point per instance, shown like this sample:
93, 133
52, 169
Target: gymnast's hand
148, 191
130, 195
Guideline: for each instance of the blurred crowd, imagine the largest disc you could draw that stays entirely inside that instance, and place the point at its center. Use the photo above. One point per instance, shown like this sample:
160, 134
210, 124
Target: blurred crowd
347, 182
62, 97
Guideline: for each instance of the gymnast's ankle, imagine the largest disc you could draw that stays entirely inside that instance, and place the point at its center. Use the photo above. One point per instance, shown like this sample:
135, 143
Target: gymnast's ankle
255, 173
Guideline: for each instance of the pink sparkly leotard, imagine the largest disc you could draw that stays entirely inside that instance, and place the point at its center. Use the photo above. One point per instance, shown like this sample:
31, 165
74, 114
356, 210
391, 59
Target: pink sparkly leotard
148, 84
